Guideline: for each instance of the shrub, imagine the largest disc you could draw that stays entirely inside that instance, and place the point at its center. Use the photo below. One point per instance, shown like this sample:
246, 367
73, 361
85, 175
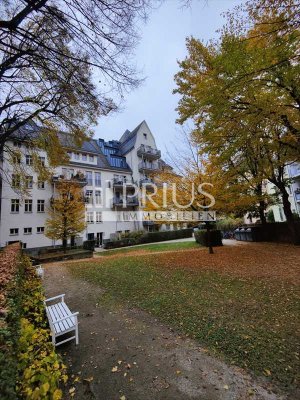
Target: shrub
201, 237
89, 245
141, 238
229, 224
29, 367
40, 368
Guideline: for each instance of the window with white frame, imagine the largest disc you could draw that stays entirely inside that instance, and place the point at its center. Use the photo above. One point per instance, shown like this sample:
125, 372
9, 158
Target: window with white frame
76, 156
89, 196
17, 144
28, 206
42, 160
40, 184
97, 178
41, 206
27, 231
98, 197
29, 182
14, 231
84, 157
16, 159
91, 158
14, 205
28, 159
89, 177
98, 216
40, 229
90, 217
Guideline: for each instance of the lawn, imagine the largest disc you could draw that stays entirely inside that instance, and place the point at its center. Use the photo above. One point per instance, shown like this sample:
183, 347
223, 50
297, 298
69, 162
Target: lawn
151, 248
242, 302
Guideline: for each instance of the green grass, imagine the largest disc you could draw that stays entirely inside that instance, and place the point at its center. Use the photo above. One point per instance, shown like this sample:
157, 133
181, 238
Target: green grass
249, 322
151, 247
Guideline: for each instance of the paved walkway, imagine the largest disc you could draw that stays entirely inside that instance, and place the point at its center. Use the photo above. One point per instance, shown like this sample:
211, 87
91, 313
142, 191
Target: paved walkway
126, 354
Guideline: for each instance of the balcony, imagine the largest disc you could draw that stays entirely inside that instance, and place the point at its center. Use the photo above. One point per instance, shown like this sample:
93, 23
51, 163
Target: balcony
147, 183
119, 183
148, 167
295, 171
297, 195
125, 201
76, 179
148, 152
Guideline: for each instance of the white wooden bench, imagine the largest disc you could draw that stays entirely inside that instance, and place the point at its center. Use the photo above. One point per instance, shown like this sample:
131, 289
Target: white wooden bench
61, 319
39, 271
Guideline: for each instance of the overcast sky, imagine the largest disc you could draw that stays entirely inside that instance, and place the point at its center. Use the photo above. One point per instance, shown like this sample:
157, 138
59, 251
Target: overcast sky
162, 44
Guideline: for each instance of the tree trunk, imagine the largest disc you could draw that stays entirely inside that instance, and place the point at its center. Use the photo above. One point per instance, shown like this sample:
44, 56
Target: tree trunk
65, 243
261, 210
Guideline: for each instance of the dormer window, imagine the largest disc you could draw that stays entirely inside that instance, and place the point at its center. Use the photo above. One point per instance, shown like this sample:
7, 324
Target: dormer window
145, 135
84, 157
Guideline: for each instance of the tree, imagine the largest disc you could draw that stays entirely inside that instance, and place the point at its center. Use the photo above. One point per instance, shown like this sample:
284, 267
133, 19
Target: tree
242, 96
67, 212
51, 55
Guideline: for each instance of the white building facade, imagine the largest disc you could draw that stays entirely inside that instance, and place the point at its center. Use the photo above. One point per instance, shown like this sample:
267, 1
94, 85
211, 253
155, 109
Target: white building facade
112, 173
293, 174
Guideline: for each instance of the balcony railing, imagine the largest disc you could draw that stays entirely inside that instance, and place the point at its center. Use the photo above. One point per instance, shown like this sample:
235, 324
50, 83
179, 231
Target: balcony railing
148, 152
295, 171
121, 182
125, 201
145, 166
78, 179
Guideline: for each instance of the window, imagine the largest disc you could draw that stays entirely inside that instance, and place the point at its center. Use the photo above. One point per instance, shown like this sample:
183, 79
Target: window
16, 159
42, 160
14, 205
29, 182
145, 135
28, 206
17, 144
40, 184
16, 181
98, 216
14, 231
28, 159
69, 154
98, 197
89, 177
24, 245
97, 179
40, 229
84, 157
76, 156
89, 196
90, 217
27, 231
91, 158
41, 206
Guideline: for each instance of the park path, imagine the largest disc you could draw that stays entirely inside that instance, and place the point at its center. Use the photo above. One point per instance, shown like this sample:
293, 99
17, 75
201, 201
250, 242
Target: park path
126, 354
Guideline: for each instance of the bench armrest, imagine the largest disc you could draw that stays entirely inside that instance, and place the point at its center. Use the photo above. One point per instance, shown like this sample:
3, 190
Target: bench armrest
60, 296
64, 318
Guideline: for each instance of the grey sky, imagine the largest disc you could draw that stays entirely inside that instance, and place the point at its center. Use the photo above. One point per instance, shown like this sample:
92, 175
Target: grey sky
162, 44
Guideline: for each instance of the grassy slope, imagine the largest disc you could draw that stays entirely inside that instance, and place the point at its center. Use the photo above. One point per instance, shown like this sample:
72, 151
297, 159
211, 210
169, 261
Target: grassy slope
151, 247
250, 321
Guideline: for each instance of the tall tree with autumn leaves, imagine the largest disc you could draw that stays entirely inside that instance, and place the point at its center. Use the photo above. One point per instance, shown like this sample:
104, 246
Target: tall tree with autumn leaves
242, 95
67, 213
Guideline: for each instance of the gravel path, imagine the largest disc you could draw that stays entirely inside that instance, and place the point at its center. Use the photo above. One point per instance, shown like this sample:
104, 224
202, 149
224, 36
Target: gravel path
126, 354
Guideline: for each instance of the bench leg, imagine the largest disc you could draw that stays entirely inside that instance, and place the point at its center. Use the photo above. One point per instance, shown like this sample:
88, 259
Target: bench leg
53, 339
76, 332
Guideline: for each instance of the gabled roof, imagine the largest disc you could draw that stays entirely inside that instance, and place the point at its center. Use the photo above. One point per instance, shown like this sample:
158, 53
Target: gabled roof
128, 139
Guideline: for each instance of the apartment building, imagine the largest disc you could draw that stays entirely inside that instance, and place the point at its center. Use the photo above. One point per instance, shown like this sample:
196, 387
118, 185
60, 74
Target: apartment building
108, 172
293, 174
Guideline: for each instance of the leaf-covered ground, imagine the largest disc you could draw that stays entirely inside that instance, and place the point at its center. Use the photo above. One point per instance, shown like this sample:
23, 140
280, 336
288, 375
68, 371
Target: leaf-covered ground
241, 302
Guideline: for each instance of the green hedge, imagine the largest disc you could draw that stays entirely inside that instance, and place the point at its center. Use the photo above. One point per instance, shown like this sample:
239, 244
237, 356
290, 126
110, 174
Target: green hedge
201, 237
148, 237
30, 368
